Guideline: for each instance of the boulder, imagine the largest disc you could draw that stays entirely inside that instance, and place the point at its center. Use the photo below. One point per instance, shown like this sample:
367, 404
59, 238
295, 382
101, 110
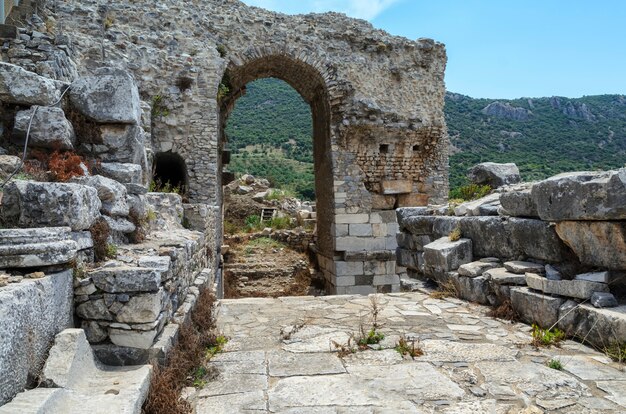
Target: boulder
494, 175
582, 196
49, 128
243, 189
21, 87
111, 193
579, 289
122, 172
108, 96
443, 255
40, 204
596, 243
518, 204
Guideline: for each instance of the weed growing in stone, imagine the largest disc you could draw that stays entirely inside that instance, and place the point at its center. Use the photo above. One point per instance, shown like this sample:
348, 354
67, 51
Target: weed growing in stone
408, 347
616, 351
555, 364
504, 311
287, 332
546, 337
158, 107
343, 350
372, 338
470, 192
217, 346
100, 232
455, 235
111, 251
445, 290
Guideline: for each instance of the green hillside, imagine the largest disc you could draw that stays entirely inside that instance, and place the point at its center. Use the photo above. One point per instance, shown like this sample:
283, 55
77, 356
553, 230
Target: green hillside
270, 134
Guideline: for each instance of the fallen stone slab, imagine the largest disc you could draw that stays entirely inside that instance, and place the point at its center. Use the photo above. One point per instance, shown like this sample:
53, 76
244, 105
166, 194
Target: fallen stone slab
108, 96
42, 204
501, 276
475, 269
49, 129
444, 255
126, 279
580, 289
603, 300
601, 243
599, 326
473, 208
81, 384
518, 204
582, 196
126, 173
37, 254
535, 307
494, 175
599, 277
521, 268
21, 87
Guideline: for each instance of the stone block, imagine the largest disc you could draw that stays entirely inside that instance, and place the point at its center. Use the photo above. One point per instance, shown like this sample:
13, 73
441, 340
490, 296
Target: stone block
390, 187
521, 268
383, 202
360, 230
126, 173
126, 279
133, 339
41, 204
597, 326
21, 87
580, 289
340, 230
343, 281
348, 268
473, 289
413, 200
49, 128
519, 204
345, 244
603, 300
111, 193
601, 243
418, 225
46, 253
500, 276
352, 218
143, 308
582, 196
536, 239
599, 277
389, 279
494, 175
475, 269
535, 307
108, 96
402, 214
472, 208
444, 255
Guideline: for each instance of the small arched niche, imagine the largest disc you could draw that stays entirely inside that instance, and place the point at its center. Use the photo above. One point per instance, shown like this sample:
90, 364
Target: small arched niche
170, 171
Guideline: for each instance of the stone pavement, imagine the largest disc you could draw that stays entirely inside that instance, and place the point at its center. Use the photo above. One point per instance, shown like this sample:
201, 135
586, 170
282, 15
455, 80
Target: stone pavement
282, 358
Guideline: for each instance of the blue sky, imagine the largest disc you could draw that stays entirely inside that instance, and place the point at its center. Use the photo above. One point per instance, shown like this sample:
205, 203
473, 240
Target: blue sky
505, 48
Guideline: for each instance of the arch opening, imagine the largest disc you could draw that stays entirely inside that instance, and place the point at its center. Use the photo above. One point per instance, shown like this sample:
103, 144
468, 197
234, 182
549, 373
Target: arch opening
170, 171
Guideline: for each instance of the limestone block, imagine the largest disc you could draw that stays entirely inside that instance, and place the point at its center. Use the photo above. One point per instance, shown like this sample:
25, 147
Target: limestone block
473, 289
49, 129
127, 279
122, 172
352, 218
120, 225
536, 307
580, 289
94, 309
133, 339
122, 144
402, 214
601, 243
598, 326
46, 253
383, 202
519, 204
108, 96
33, 312
112, 194
143, 308
8, 164
501, 276
21, 87
83, 239
603, 300
444, 255
348, 268
360, 230
521, 268
599, 277
419, 225
347, 244
39, 204
475, 269
169, 209
413, 200
472, 208
582, 196
390, 187
494, 175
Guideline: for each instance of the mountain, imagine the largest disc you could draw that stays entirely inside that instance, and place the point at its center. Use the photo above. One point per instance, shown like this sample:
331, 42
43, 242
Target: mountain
270, 133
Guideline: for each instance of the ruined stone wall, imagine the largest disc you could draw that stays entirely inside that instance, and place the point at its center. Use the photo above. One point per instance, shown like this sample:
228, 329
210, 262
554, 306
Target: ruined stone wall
380, 140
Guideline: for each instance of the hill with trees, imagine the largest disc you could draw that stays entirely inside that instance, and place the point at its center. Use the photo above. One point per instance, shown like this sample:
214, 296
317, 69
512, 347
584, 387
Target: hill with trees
270, 134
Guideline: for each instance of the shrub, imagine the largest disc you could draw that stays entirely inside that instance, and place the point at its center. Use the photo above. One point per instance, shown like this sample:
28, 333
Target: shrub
470, 192
555, 364
65, 165
100, 232
253, 222
280, 223
156, 186
406, 347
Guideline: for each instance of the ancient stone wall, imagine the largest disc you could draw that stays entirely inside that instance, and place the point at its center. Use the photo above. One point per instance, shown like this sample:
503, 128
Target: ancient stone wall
377, 100
553, 251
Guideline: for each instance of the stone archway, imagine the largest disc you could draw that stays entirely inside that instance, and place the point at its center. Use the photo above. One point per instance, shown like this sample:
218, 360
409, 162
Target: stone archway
311, 85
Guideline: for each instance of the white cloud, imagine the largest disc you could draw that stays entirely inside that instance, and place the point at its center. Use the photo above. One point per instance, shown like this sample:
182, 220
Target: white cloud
362, 9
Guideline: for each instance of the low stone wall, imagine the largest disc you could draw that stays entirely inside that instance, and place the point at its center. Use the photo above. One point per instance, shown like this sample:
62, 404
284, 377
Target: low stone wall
553, 249
32, 312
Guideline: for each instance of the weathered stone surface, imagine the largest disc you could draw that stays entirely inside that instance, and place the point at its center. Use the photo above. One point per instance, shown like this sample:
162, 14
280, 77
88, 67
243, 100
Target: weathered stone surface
94, 309
475, 269
603, 300
144, 308
536, 239
444, 255
8, 164
120, 143
582, 196
599, 277
169, 208
473, 289
287, 364
473, 208
21, 87
47, 253
596, 325
108, 96
112, 194
535, 307
501, 276
396, 187
33, 312
38, 204
126, 279
601, 244
49, 128
122, 172
133, 339
580, 289
521, 268
119, 224
494, 175
519, 204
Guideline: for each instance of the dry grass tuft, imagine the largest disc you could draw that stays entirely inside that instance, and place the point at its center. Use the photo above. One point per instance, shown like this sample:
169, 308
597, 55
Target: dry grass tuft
195, 339
100, 232
504, 311
445, 290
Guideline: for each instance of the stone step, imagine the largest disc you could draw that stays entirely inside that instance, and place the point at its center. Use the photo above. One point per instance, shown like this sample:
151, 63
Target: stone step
83, 385
47, 253
10, 237
126, 279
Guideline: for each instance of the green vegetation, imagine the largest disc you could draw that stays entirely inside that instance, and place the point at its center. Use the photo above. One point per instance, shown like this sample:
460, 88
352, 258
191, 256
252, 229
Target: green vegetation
371, 338
469, 192
270, 134
555, 364
546, 337
111, 251
455, 234
616, 351
158, 187
406, 347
